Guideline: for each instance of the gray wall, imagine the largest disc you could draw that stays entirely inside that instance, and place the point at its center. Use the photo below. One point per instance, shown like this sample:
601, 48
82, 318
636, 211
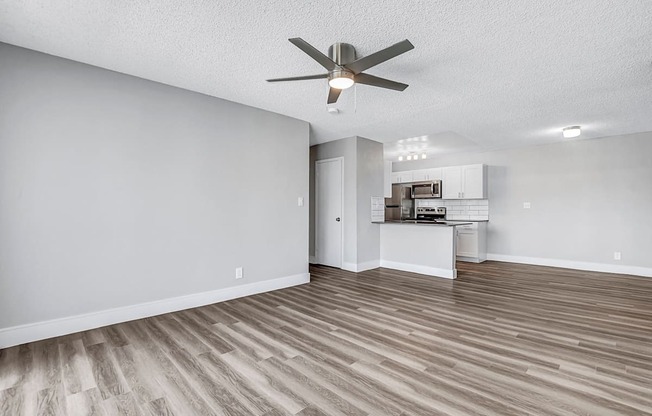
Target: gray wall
589, 198
369, 183
363, 178
345, 148
116, 191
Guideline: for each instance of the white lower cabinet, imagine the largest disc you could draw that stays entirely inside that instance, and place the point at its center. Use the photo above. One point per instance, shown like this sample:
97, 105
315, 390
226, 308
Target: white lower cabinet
472, 242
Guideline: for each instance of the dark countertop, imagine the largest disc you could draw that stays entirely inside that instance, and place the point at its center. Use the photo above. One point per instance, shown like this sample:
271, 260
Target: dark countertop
428, 223
469, 220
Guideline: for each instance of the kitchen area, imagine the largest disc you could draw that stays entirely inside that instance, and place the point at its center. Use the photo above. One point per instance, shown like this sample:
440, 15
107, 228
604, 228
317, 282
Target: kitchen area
433, 218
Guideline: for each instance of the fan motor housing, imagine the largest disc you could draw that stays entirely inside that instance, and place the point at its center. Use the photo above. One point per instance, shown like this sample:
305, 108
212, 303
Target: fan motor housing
342, 53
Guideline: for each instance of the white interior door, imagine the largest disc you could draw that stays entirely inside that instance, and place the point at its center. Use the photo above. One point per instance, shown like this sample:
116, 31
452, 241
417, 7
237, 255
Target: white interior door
329, 212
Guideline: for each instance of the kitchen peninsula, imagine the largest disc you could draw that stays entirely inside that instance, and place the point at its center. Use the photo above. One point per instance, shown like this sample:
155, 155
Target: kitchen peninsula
426, 248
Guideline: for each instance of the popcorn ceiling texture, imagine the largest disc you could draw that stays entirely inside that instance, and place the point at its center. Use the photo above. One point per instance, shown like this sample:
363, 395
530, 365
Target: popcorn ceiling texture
498, 74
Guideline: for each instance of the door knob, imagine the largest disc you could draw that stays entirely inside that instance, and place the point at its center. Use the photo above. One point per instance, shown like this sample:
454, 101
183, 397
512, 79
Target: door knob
337, 219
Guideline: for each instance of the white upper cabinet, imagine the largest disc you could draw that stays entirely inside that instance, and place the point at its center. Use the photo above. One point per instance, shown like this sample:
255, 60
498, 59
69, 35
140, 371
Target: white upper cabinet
474, 184
419, 175
433, 174
402, 177
451, 182
426, 175
464, 182
458, 182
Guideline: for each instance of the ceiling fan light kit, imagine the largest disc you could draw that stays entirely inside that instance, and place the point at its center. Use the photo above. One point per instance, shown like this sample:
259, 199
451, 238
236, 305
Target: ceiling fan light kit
345, 69
341, 79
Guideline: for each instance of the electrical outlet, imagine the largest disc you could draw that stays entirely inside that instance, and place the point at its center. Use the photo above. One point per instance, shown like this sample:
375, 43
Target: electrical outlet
300, 201
238, 272
617, 255
527, 205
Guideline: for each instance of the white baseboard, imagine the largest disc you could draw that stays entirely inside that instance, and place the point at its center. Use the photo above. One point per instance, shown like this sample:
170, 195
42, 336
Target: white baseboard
416, 268
56, 327
577, 265
361, 267
351, 267
368, 265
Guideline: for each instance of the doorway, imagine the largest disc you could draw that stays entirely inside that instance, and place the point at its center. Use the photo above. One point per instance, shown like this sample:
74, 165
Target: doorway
328, 211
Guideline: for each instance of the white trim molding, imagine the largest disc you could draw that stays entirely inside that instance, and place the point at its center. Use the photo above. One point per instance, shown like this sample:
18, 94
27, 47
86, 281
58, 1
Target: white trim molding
368, 265
577, 265
416, 268
349, 267
56, 327
361, 267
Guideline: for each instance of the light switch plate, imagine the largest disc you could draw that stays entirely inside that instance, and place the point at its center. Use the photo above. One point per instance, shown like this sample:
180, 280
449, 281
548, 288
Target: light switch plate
617, 255
238, 272
300, 201
527, 205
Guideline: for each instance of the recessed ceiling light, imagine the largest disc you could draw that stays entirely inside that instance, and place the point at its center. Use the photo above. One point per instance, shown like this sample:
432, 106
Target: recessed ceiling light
572, 131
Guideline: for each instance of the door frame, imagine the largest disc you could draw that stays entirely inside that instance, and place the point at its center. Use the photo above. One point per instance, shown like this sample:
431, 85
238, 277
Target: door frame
342, 219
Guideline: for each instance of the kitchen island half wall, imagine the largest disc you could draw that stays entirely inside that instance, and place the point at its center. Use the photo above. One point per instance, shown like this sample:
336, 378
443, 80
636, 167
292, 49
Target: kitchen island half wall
420, 248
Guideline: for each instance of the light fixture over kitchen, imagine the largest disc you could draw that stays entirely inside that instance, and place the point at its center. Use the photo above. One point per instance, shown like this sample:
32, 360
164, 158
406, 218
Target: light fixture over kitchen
400, 158
571, 131
423, 155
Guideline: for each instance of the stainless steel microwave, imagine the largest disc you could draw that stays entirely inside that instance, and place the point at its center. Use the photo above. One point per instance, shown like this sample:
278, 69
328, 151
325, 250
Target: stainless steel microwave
429, 189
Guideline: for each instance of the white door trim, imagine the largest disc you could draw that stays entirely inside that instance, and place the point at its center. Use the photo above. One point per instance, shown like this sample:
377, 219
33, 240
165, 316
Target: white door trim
342, 218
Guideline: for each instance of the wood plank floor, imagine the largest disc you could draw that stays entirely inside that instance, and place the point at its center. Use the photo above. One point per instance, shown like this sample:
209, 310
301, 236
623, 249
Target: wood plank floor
502, 339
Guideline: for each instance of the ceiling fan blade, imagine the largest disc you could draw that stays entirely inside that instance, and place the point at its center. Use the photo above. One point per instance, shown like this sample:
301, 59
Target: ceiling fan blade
333, 95
298, 78
314, 53
379, 82
379, 57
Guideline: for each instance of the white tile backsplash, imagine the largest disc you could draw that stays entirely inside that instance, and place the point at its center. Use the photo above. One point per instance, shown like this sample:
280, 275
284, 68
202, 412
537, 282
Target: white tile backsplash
460, 209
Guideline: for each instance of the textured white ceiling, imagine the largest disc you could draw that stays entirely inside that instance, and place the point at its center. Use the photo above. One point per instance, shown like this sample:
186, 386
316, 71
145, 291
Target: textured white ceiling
494, 74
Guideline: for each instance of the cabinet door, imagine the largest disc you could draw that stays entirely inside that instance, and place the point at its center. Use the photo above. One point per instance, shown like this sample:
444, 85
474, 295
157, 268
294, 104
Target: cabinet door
387, 179
451, 182
467, 243
473, 182
433, 174
419, 175
406, 176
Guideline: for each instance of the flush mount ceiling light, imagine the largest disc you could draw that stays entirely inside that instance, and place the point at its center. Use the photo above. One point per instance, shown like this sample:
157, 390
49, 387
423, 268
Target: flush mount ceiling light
572, 131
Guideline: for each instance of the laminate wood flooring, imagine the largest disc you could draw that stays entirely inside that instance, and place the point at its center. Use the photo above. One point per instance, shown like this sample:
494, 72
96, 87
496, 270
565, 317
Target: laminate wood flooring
502, 339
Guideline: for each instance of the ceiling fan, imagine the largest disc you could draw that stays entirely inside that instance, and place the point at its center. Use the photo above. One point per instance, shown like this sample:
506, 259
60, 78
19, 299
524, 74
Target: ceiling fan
345, 69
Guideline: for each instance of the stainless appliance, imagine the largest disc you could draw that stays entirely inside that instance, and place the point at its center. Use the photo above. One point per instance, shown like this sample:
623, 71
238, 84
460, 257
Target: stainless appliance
431, 214
401, 204
429, 189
